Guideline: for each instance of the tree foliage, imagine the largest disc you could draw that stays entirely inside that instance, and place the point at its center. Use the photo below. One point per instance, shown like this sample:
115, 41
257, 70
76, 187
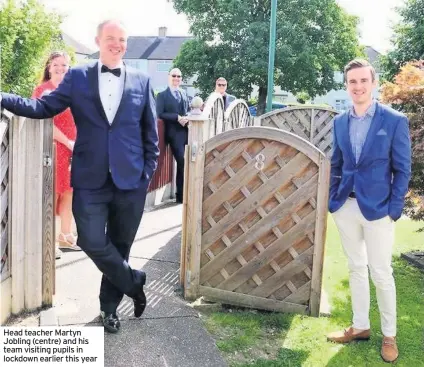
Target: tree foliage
28, 33
314, 38
408, 39
407, 92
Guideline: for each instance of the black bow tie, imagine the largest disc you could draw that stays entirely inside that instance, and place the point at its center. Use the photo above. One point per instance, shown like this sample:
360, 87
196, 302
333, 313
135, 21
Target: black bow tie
116, 72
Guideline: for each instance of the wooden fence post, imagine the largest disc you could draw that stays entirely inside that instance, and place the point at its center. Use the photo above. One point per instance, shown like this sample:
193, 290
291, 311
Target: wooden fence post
48, 240
33, 215
192, 221
320, 233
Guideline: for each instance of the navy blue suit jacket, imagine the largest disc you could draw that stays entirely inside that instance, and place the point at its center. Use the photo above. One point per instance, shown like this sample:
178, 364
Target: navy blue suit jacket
128, 147
168, 108
382, 174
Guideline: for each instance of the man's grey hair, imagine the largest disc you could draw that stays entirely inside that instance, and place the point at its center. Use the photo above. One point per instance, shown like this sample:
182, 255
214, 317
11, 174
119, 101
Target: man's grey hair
175, 70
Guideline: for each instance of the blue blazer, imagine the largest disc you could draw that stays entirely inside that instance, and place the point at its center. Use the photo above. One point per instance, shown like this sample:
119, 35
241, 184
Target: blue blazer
382, 173
128, 147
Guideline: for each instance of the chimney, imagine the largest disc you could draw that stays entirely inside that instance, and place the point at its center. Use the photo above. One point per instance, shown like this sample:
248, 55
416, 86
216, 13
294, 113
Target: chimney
162, 31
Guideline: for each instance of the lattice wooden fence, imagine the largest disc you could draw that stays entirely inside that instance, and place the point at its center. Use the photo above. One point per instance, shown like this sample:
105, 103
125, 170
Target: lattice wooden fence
4, 197
257, 221
313, 124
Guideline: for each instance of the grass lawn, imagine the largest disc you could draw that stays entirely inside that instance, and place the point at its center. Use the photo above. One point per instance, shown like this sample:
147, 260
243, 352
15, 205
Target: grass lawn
251, 338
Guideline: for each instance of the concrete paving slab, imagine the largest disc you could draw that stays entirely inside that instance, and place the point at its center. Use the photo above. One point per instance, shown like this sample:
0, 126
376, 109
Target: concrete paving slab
77, 302
176, 342
48, 318
156, 246
161, 219
76, 299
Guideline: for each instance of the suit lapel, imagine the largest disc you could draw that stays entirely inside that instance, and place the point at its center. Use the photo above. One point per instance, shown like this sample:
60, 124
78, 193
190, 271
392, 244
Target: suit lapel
125, 92
185, 100
346, 136
93, 78
372, 132
171, 97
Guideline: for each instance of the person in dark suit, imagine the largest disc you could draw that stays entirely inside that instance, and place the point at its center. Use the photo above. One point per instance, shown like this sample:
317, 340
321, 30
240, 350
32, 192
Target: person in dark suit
370, 172
114, 158
221, 88
172, 107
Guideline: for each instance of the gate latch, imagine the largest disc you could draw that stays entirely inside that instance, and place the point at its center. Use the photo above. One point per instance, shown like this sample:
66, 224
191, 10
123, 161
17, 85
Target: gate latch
47, 161
194, 148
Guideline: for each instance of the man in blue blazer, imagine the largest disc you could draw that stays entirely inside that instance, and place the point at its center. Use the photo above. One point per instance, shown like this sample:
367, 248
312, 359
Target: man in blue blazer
114, 158
172, 107
370, 172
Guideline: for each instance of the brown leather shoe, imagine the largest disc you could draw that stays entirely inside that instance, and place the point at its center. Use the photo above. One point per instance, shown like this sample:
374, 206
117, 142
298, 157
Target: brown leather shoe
389, 349
347, 335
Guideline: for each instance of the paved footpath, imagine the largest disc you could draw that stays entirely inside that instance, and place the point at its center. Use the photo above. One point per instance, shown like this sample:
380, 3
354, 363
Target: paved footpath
170, 333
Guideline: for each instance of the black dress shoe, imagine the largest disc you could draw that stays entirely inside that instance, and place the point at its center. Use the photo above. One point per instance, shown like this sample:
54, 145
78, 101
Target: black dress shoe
140, 299
110, 321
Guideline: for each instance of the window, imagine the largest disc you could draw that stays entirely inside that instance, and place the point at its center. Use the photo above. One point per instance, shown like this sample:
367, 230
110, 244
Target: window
137, 64
341, 105
163, 65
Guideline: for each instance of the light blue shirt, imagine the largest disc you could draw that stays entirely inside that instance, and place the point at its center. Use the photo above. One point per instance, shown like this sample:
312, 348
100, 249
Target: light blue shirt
358, 129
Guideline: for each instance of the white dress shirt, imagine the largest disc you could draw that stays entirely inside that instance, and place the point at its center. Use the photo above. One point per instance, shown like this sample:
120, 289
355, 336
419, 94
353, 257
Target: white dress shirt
111, 88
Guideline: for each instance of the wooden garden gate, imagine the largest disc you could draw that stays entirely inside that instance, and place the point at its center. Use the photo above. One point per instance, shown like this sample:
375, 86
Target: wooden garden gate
255, 223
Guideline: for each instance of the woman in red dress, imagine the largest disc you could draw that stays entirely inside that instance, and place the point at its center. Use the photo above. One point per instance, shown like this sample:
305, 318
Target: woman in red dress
64, 135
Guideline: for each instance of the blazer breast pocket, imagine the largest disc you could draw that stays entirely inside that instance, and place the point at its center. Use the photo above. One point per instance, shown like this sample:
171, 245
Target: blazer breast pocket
136, 99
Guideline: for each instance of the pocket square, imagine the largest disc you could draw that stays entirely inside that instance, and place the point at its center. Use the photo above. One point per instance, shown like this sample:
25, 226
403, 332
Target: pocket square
382, 132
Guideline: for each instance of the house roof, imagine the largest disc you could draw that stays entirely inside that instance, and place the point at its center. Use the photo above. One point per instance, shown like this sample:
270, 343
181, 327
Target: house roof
373, 56
77, 46
152, 47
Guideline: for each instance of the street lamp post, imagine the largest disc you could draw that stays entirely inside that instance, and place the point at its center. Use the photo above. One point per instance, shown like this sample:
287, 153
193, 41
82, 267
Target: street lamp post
272, 31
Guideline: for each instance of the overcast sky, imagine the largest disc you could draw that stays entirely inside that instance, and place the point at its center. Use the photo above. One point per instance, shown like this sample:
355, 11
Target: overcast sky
144, 17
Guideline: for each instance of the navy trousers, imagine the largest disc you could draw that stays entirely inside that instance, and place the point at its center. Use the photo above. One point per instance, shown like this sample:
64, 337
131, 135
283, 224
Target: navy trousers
107, 221
178, 140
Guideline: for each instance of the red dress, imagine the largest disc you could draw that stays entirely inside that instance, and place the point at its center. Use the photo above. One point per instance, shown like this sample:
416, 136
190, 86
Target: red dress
65, 123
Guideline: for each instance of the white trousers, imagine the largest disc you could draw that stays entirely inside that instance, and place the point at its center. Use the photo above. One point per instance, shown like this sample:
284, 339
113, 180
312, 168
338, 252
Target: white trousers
368, 244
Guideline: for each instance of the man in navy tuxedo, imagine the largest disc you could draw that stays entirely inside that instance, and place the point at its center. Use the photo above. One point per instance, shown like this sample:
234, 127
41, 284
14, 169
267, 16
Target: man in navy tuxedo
114, 158
370, 172
172, 107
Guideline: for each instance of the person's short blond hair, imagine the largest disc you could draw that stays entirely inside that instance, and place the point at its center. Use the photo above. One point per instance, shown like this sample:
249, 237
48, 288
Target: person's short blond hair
221, 79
